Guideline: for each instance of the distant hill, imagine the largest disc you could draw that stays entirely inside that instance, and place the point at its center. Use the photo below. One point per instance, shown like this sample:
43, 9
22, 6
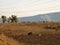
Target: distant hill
55, 16
42, 17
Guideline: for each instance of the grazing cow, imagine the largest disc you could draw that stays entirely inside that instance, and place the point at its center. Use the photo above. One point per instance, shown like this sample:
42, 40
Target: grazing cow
29, 33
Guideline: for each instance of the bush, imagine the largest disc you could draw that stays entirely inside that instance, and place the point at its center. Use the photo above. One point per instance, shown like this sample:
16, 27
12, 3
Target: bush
3, 19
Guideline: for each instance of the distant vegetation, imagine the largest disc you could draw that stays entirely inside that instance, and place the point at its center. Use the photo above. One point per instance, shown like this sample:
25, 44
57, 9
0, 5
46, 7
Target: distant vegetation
3, 19
13, 18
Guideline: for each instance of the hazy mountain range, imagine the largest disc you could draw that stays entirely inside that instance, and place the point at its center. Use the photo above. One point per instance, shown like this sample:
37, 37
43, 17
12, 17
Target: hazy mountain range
55, 16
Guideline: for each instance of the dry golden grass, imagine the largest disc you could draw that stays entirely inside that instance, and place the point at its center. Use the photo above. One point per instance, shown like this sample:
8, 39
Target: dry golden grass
18, 32
4, 40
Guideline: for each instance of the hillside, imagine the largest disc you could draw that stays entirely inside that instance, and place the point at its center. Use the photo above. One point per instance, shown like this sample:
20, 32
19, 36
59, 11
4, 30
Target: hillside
4, 40
52, 17
55, 16
41, 33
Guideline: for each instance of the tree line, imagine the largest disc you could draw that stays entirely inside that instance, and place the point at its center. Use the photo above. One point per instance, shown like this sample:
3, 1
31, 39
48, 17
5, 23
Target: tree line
13, 18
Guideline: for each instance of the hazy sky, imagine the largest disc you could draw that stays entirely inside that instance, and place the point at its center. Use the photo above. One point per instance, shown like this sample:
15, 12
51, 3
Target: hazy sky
28, 7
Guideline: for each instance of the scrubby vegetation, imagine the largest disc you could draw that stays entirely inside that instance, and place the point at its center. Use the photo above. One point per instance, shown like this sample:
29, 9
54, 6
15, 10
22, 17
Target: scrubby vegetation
13, 18
3, 19
32, 33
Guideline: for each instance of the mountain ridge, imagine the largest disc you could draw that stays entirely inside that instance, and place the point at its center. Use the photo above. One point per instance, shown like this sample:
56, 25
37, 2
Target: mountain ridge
55, 16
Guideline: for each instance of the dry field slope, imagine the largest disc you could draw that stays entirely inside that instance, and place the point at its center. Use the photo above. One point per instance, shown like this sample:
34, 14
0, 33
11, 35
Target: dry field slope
30, 33
4, 40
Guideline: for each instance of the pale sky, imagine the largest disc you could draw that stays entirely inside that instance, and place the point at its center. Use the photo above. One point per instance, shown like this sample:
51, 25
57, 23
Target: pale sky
22, 8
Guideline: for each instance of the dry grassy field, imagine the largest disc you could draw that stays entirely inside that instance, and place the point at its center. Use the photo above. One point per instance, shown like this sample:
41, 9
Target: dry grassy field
30, 33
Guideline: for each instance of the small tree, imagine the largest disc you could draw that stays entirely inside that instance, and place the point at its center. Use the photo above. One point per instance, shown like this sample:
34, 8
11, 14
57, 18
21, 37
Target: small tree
9, 19
3, 19
14, 18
